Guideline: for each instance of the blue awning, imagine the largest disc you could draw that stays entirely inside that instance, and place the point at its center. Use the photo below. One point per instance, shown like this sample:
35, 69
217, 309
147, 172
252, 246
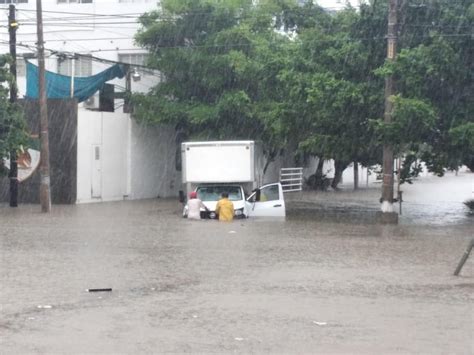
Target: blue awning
59, 86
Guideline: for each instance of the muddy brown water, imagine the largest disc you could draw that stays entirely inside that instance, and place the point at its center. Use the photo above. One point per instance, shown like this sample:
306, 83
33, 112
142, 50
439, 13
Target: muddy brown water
303, 284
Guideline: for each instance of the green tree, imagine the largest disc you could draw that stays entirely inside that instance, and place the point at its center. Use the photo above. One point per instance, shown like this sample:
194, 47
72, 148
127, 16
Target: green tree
298, 77
434, 74
332, 83
220, 61
12, 124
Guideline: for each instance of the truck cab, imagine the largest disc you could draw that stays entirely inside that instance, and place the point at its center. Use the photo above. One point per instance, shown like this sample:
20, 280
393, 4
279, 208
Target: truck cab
266, 201
210, 194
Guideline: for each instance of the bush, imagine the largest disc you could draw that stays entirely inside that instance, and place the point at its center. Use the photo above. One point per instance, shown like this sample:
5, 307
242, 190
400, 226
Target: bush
470, 204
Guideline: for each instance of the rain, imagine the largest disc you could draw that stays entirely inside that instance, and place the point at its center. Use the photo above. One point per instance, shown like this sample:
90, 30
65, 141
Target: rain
236, 176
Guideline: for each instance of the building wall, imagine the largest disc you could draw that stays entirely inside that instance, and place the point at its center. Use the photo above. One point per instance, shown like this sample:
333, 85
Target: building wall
347, 175
136, 161
153, 162
365, 177
108, 131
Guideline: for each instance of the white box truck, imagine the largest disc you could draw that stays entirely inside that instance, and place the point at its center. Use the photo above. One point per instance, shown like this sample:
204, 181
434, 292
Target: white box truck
211, 168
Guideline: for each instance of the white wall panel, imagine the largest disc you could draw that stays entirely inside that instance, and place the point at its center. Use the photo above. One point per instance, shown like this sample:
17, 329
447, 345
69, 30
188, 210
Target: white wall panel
152, 161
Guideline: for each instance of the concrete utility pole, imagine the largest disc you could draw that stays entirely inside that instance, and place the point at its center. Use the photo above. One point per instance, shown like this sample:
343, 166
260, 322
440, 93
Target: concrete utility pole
128, 89
12, 27
73, 73
45, 192
388, 214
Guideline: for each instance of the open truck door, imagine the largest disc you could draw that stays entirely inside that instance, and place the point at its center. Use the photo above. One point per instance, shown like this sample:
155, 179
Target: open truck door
267, 201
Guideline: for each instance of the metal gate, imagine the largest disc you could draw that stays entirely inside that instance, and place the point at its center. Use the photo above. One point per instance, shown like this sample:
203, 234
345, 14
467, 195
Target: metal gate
291, 179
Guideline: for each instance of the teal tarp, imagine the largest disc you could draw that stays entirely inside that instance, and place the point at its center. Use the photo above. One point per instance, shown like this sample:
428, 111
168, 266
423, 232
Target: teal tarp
59, 86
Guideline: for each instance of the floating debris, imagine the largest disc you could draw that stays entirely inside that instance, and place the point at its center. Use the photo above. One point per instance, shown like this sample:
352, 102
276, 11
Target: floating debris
99, 290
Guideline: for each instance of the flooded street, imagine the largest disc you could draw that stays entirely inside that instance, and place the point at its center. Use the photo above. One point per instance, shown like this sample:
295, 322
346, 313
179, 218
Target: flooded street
428, 201
313, 285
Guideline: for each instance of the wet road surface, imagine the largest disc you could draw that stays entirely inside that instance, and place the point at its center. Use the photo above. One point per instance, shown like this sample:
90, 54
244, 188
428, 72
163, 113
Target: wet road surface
289, 286
429, 201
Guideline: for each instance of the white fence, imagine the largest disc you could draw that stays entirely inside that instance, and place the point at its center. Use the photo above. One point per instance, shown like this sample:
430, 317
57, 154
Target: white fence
291, 179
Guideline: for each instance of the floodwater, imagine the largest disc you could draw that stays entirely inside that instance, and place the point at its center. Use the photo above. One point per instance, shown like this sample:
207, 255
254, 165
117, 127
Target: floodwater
307, 283
429, 201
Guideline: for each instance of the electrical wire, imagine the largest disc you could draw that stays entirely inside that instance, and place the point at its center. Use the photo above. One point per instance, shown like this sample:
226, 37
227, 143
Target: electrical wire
223, 6
60, 35
69, 24
134, 14
80, 39
241, 45
137, 15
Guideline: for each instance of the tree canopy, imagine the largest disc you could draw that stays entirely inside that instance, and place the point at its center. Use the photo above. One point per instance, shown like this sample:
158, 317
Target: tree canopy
12, 124
300, 78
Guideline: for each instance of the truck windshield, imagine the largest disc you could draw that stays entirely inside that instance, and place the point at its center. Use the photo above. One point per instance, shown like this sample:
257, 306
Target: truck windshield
213, 193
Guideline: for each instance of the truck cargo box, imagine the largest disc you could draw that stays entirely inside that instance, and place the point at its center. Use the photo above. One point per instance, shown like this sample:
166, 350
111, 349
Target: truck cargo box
218, 162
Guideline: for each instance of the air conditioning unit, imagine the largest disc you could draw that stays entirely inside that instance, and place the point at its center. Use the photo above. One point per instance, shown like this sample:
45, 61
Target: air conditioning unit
89, 102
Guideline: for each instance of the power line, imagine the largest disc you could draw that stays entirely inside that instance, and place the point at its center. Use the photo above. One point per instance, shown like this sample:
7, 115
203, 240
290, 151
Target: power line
242, 45
60, 35
80, 13
81, 23
117, 49
89, 17
97, 59
80, 39
161, 15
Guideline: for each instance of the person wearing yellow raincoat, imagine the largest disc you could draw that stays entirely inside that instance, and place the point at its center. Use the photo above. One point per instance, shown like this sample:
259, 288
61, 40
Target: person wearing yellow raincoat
225, 208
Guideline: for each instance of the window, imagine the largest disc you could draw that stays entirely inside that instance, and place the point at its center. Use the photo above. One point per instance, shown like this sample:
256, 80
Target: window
214, 193
269, 193
139, 59
13, 1
74, 1
20, 66
82, 66
133, 58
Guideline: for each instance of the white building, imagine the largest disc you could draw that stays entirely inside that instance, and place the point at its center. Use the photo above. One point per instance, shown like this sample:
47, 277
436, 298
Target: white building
99, 28
116, 158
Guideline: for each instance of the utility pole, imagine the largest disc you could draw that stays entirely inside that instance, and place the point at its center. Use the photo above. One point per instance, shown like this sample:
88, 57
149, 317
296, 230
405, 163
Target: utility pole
12, 27
388, 214
45, 192
73, 73
128, 89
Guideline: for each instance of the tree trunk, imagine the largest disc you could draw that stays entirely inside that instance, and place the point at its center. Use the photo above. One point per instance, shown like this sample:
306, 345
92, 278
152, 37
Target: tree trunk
339, 166
270, 158
319, 170
356, 175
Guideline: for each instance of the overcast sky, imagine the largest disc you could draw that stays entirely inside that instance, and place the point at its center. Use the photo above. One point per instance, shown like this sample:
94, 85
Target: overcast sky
337, 3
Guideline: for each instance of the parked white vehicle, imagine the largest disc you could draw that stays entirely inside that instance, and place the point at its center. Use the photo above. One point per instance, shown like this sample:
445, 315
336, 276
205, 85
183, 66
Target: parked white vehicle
267, 201
211, 168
